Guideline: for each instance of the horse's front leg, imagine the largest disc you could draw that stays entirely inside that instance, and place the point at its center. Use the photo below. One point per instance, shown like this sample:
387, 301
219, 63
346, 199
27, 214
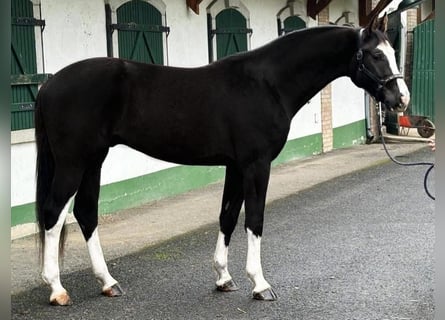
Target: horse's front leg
231, 206
110, 286
256, 180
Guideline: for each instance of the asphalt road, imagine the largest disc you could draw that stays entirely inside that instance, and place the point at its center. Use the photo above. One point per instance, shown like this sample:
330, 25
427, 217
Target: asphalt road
356, 247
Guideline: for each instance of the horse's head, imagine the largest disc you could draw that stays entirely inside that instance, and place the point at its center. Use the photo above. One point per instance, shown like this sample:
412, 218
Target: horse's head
375, 68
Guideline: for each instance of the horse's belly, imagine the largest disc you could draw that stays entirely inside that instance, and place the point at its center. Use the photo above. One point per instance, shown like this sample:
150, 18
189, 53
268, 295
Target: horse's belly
181, 149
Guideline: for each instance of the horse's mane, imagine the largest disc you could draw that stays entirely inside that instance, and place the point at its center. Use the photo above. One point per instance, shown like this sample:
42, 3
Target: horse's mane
296, 36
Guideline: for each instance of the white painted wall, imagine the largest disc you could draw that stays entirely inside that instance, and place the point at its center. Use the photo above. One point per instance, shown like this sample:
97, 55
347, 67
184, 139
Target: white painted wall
187, 42
307, 121
75, 30
23, 168
347, 102
350, 7
124, 163
263, 21
347, 99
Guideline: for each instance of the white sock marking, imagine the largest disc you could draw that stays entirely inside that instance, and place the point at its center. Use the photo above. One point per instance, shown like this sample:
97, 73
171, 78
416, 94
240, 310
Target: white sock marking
253, 265
50, 270
100, 268
220, 260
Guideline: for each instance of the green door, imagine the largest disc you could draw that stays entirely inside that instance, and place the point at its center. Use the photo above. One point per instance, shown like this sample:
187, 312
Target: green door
293, 23
394, 32
140, 29
24, 77
231, 33
422, 95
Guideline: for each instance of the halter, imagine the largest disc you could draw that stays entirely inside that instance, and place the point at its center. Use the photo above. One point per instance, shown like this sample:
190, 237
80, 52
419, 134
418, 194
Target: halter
381, 82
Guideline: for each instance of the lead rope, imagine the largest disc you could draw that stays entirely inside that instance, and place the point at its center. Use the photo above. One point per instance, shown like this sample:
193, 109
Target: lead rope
407, 164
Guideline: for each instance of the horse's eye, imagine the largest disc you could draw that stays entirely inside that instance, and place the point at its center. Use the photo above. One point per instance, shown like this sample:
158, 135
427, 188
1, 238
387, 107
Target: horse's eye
378, 55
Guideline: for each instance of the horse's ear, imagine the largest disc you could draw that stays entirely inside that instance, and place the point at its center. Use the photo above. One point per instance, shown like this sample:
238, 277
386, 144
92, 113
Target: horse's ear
372, 25
382, 23
377, 23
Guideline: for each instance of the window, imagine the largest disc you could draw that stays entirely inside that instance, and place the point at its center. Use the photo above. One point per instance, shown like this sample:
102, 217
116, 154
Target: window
137, 30
291, 23
290, 17
26, 61
228, 28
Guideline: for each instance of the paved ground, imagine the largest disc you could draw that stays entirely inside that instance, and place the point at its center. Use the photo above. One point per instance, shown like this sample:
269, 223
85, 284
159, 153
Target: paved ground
131, 230
359, 246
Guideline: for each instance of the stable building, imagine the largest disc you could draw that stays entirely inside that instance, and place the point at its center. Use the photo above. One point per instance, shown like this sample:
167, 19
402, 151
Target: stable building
48, 35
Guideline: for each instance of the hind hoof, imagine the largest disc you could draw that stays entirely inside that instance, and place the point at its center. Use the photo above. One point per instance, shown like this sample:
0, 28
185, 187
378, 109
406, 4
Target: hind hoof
113, 291
265, 295
62, 299
228, 286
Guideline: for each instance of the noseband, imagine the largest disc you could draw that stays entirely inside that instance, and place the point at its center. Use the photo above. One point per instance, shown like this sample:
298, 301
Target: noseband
381, 82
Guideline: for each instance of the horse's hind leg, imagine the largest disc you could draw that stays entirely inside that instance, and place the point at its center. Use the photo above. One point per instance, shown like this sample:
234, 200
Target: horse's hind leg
86, 213
231, 206
63, 187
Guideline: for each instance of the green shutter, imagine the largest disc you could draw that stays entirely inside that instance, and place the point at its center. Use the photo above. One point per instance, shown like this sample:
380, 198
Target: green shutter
231, 33
393, 31
139, 26
293, 23
422, 95
23, 62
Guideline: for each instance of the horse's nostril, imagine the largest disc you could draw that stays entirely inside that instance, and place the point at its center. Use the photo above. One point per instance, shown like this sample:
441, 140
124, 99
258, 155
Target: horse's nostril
404, 100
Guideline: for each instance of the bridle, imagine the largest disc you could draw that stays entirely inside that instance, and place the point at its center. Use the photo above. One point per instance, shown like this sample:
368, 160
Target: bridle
381, 82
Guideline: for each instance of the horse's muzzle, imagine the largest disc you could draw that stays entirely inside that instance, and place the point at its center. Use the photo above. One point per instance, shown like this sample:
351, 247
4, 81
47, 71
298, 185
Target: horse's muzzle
404, 102
402, 105
399, 105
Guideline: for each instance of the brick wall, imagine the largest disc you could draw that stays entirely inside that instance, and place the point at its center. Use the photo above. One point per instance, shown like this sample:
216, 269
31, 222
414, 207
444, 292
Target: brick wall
411, 22
326, 99
373, 106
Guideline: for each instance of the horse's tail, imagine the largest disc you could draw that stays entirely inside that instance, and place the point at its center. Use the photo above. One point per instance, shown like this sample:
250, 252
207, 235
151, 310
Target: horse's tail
45, 174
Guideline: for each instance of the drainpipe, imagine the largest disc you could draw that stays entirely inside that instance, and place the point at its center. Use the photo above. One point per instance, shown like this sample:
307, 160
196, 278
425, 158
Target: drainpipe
369, 134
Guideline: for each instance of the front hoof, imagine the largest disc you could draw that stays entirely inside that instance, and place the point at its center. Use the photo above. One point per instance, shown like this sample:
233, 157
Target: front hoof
265, 295
113, 291
228, 286
61, 299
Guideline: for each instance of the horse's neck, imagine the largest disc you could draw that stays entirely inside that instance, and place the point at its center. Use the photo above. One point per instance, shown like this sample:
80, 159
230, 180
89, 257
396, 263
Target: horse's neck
304, 64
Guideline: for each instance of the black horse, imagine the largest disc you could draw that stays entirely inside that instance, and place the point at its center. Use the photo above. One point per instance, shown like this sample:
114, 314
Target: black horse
234, 112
